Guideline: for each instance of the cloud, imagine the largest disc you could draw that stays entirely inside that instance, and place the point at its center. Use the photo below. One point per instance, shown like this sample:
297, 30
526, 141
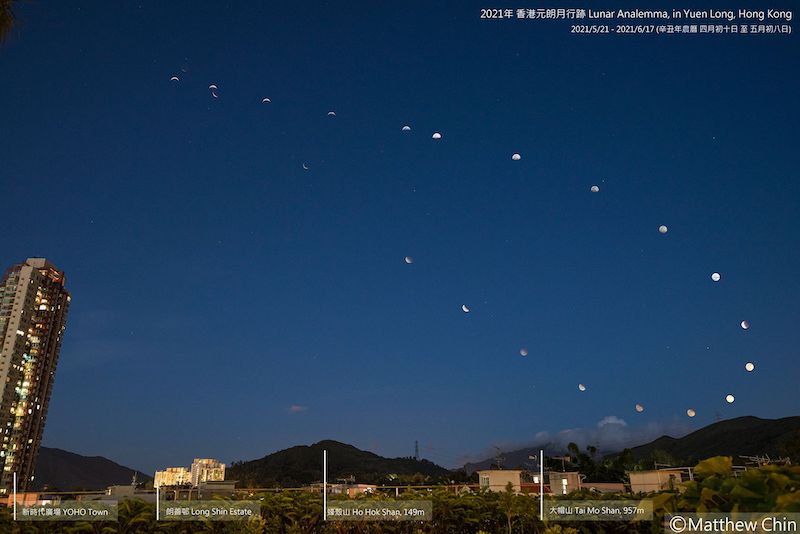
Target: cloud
296, 408
610, 434
611, 420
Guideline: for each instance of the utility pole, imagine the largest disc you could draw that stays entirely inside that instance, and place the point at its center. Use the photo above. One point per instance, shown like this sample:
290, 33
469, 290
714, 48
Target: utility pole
416, 450
325, 485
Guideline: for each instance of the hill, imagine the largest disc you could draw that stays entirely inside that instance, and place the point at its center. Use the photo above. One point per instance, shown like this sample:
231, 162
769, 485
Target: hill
742, 436
64, 470
748, 436
301, 465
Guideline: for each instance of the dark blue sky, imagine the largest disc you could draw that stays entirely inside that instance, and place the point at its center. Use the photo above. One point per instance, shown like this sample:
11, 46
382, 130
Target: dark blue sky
216, 283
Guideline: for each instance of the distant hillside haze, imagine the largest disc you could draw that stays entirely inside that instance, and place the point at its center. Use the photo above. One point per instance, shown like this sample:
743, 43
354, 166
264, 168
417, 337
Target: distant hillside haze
57, 469
301, 465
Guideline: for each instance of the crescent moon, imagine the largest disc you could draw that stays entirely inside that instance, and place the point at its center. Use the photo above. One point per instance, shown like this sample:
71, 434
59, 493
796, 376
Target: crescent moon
305, 167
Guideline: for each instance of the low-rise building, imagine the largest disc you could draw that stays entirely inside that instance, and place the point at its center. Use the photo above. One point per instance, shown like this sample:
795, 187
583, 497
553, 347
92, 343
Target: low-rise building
561, 482
33, 499
499, 479
659, 479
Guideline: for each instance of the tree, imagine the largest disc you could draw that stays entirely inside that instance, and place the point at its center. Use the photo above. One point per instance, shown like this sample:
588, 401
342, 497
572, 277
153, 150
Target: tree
6, 19
791, 447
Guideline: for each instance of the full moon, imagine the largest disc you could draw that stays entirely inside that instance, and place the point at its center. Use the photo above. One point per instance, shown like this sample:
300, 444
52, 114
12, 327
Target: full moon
715, 277
663, 229
639, 408
690, 412
749, 366
730, 398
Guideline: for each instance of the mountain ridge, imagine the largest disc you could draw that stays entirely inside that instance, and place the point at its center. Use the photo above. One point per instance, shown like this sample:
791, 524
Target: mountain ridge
59, 469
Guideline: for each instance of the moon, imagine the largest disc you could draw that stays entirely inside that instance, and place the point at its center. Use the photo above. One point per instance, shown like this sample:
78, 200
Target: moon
305, 166
436, 135
749, 367
716, 277
409, 260
523, 351
331, 114
730, 398
406, 128
639, 408
516, 157
745, 325
595, 189
581, 387
663, 229
174, 79
266, 101
690, 412
464, 308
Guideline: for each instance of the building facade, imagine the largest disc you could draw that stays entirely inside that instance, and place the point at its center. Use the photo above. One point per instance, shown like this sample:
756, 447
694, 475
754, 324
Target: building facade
207, 470
499, 479
172, 476
33, 314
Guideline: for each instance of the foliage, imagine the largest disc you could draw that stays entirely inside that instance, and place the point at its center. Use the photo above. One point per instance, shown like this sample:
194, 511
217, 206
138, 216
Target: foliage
6, 19
302, 465
716, 488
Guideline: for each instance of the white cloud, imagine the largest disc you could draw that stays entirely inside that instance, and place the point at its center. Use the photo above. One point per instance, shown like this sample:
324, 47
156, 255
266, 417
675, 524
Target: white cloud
611, 420
296, 408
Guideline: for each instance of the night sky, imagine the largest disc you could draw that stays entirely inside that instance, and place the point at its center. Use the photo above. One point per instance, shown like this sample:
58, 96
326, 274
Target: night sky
228, 303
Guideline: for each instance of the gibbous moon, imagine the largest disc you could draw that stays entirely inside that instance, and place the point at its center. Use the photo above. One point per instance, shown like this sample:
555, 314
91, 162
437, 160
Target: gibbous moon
523, 351
409, 260
730, 398
581, 387
749, 366
595, 189
716, 277
516, 157
436, 135
745, 325
406, 128
690, 412
663, 229
464, 308
639, 408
